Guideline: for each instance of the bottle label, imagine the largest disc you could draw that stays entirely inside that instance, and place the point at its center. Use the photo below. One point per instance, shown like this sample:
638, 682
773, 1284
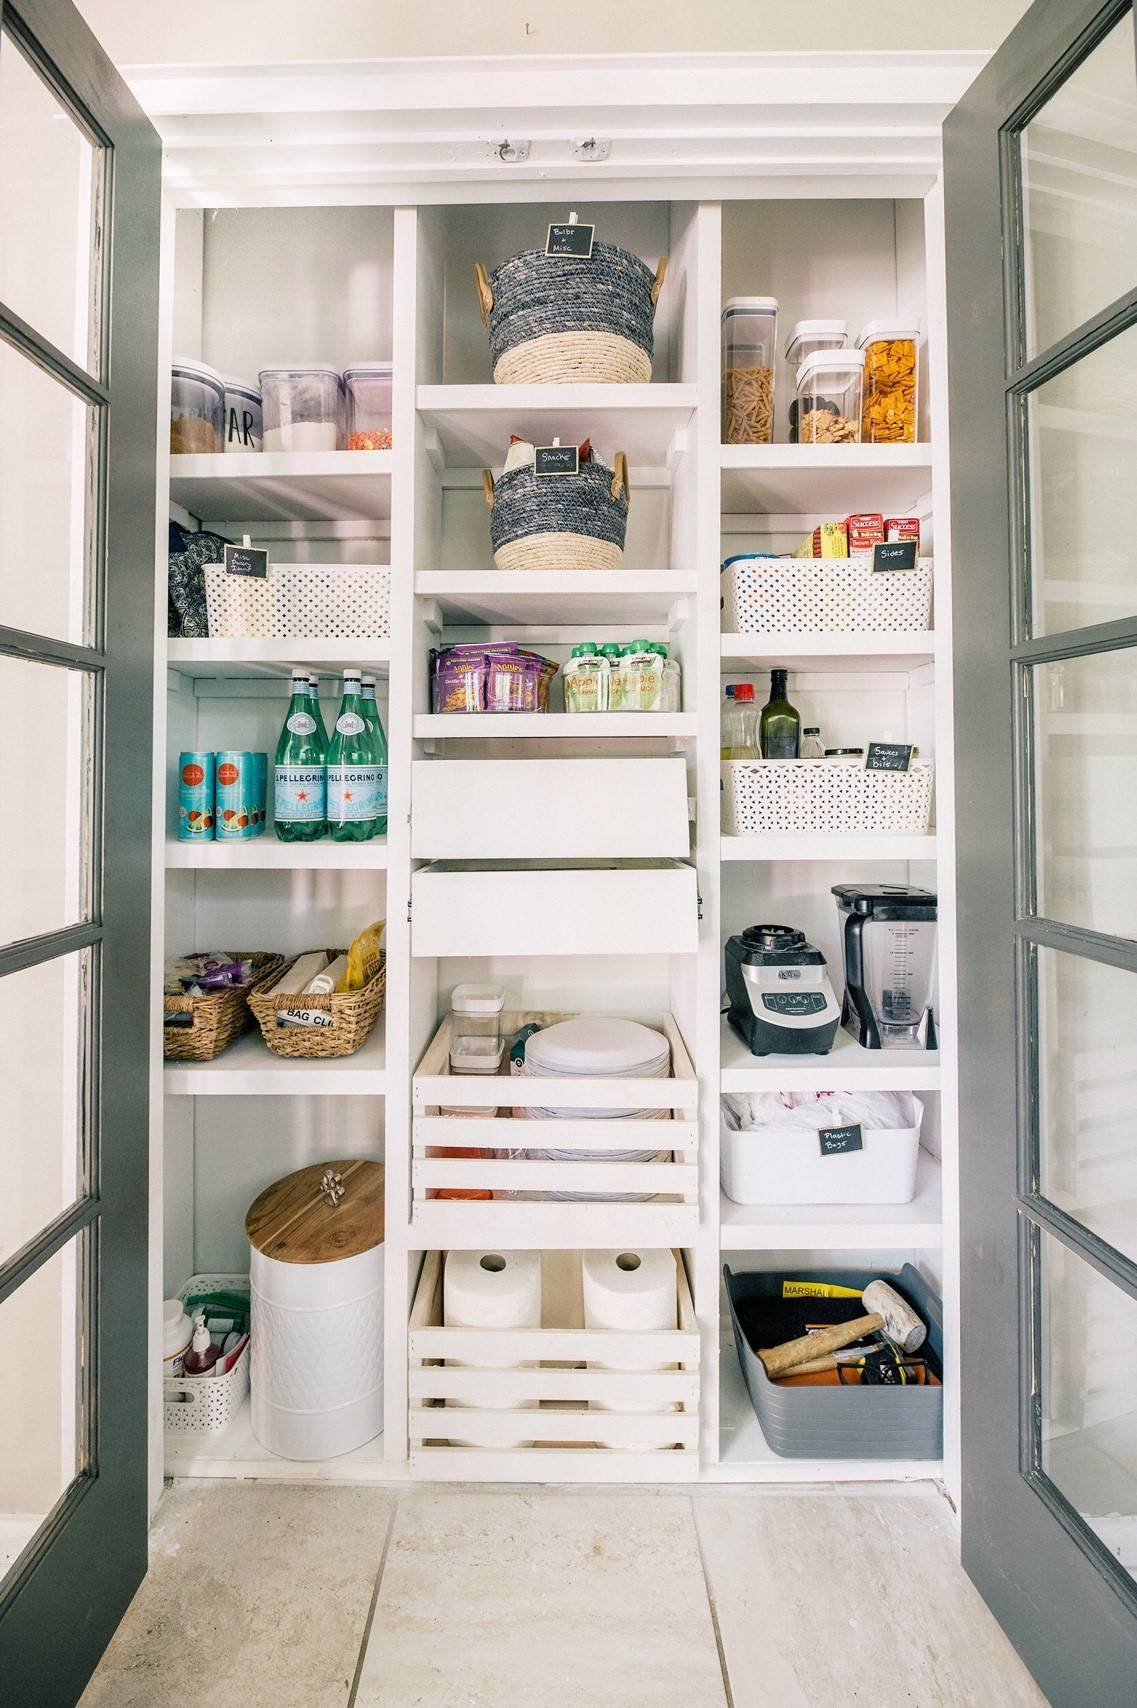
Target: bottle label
300, 793
350, 723
300, 723
356, 792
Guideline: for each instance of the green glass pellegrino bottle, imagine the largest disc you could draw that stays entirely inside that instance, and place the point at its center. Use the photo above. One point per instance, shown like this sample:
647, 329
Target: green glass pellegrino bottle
375, 722
314, 689
354, 771
299, 778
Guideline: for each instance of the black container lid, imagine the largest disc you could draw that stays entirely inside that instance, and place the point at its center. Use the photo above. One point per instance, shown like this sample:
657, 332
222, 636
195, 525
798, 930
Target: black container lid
885, 899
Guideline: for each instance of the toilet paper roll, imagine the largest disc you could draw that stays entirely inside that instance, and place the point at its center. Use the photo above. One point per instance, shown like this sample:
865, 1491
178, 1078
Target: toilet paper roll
630, 1290
492, 1289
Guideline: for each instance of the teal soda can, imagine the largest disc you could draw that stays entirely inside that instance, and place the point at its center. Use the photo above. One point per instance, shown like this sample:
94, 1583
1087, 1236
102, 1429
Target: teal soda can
195, 797
235, 773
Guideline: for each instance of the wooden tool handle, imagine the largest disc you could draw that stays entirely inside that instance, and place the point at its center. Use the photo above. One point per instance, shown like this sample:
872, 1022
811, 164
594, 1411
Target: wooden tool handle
487, 486
779, 1359
657, 283
485, 292
620, 481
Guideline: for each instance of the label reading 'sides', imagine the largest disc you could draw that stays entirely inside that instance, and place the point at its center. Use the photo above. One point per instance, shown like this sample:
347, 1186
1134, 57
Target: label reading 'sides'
556, 459
575, 240
889, 756
894, 554
839, 1141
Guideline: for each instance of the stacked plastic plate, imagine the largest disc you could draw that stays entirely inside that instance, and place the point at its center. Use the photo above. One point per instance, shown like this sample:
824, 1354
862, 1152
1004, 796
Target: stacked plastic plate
596, 1048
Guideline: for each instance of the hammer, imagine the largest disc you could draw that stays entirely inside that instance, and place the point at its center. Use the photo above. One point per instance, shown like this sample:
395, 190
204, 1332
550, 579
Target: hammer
886, 1310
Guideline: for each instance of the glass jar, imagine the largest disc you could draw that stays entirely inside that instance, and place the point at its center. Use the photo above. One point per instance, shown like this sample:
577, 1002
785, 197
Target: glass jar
368, 406
749, 342
829, 397
244, 426
890, 382
807, 337
303, 407
197, 409
475, 1027
811, 747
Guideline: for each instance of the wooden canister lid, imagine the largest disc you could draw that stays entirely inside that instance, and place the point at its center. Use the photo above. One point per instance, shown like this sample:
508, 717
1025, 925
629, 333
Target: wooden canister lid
320, 1214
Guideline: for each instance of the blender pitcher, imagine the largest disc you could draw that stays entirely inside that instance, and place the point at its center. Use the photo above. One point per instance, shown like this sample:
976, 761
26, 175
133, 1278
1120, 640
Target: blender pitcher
889, 941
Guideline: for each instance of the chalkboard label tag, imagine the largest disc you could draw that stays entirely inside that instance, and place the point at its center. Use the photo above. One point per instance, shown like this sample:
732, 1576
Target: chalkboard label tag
888, 756
556, 459
247, 560
838, 1141
573, 240
894, 554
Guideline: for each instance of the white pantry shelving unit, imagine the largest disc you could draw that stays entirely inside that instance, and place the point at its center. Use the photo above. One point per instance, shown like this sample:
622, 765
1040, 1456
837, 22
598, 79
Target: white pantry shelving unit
324, 252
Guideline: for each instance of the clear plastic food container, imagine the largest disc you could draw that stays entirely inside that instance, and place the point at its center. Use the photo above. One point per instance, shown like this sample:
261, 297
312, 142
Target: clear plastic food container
807, 337
749, 342
244, 430
303, 407
891, 348
368, 386
197, 409
475, 1019
829, 397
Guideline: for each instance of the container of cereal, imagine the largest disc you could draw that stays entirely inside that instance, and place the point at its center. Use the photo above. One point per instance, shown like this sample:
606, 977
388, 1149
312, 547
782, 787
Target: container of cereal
888, 414
303, 405
197, 409
807, 337
829, 397
749, 341
243, 420
368, 386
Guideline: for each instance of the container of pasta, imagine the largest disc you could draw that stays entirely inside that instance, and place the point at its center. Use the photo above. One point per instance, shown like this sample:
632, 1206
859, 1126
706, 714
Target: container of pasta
749, 343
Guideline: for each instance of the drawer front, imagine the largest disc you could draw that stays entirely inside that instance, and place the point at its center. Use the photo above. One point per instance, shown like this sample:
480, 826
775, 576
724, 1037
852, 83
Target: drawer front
610, 911
577, 809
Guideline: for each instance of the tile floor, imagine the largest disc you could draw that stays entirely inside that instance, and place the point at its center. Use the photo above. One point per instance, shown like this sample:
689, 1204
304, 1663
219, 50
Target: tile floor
448, 1597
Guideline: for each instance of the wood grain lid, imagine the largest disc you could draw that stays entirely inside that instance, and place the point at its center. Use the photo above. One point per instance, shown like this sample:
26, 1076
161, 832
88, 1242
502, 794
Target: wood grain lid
320, 1214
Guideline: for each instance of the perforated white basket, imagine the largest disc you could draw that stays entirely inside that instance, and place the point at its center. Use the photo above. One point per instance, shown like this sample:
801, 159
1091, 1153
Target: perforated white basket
205, 1405
300, 601
820, 595
764, 797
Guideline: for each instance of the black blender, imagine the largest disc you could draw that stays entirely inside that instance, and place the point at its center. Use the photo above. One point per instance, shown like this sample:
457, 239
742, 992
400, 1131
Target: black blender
779, 991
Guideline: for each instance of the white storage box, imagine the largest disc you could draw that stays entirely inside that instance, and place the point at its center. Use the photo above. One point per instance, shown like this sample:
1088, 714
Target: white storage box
205, 1405
763, 797
299, 602
316, 1271
823, 595
786, 1166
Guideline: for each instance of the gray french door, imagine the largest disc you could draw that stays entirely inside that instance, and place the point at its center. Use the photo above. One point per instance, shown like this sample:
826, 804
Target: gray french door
79, 233
1041, 198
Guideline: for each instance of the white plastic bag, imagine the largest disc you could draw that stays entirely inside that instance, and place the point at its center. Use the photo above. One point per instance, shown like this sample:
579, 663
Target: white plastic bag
757, 1111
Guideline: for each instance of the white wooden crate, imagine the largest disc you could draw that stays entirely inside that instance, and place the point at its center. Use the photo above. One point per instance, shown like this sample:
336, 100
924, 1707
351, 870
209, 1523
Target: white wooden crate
577, 809
670, 1219
570, 1440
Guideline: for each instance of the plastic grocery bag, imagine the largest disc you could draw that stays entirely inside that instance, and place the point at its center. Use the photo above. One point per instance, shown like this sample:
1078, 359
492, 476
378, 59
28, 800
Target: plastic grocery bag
755, 1111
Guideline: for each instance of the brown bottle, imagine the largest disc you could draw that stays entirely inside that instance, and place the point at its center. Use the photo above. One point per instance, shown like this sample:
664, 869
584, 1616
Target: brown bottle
203, 1355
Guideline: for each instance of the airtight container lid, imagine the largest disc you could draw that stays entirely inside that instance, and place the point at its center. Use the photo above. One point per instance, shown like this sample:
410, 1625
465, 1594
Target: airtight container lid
478, 1061
245, 388
296, 1221
831, 362
274, 369
890, 329
807, 330
369, 370
477, 999
750, 305
599, 1046
187, 368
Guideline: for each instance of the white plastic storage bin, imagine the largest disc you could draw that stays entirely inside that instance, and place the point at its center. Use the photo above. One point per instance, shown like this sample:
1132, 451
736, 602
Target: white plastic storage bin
205, 1405
489, 809
589, 1424
830, 595
642, 907
786, 1166
299, 602
768, 797
316, 1271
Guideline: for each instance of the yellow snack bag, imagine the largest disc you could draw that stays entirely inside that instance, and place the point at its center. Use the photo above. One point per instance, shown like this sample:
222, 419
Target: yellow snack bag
364, 957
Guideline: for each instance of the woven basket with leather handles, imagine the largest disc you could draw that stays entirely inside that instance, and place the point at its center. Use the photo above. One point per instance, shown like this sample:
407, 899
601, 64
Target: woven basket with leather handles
218, 1017
570, 320
353, 1012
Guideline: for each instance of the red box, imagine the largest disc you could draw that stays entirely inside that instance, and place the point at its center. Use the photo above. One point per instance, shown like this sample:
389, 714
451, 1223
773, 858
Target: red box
902, 528
864, 532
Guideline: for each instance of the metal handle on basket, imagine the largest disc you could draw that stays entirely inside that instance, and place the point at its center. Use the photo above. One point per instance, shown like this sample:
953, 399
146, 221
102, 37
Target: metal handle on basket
332, 1187
487, 486
657, 284
620, 482
485, 293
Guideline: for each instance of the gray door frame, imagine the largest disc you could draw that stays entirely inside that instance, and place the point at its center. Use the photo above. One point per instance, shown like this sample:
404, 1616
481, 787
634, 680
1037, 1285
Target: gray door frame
1064, 1602
59, 1608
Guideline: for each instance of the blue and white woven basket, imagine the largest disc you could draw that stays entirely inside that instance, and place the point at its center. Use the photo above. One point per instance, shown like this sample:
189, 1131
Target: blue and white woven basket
564, 320
559, 521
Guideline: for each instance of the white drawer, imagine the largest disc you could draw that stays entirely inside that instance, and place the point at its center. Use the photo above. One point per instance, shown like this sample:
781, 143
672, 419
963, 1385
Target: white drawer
644, 908
577, 809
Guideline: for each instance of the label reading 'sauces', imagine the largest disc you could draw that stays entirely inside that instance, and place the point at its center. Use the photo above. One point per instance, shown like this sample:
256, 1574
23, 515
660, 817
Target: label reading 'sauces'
889, 756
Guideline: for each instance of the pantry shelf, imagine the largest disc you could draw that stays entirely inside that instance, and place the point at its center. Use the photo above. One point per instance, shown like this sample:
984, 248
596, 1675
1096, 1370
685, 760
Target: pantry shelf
236, 1452
848, 1066
225, 660
266, 854
284, 486
555, 596
248, 1068
829, 652
474, 422
838, 1227
831, 480
824, 845
575, 726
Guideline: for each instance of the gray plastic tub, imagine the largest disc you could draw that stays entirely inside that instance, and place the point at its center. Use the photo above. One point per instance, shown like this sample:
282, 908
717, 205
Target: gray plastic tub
845, 1423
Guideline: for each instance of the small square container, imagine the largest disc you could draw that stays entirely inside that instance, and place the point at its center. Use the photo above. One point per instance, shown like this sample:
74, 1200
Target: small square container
475, 1012
368, 387
891, 350
749, 344
244, 427
197, 409
303, 407
829, 397
807, 337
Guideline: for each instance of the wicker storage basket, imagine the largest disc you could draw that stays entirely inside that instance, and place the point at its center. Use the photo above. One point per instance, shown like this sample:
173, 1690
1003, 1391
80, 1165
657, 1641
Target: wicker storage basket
353, 1014
823, 595
567, 320
765, 797
299, 601
217, 1018
559, 521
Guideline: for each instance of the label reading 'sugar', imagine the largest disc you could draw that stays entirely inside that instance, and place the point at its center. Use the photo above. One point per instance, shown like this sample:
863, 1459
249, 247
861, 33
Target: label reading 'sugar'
356, 792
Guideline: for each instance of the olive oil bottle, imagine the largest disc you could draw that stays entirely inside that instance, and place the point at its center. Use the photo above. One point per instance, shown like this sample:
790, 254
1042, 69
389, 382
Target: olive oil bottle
779, 726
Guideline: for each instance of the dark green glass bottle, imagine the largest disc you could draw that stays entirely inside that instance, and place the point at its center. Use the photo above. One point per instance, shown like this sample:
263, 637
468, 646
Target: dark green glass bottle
779, 727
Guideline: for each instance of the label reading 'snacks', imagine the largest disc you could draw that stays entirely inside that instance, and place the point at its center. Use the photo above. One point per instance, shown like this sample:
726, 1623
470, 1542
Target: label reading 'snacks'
356, 792
299, 793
